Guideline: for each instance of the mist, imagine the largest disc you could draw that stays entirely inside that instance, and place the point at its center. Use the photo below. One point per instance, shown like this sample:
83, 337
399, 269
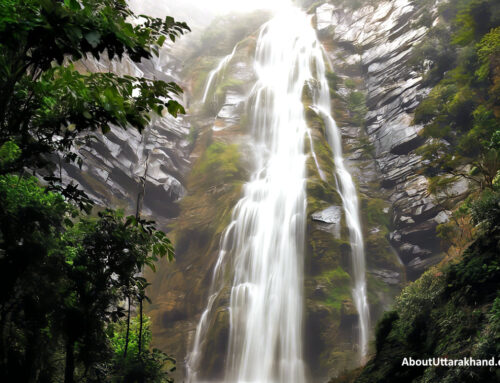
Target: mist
199, 13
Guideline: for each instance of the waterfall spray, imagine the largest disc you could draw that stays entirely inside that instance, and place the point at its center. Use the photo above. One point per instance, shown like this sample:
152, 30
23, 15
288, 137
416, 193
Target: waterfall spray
265, 241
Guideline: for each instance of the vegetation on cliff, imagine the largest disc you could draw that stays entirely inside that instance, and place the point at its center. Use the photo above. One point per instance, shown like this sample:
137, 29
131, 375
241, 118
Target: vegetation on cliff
69, 276
461, 114
452, 310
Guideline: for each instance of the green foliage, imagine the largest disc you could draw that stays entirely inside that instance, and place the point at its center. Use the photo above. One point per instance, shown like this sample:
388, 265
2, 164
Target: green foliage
356, 103
450, 312
384, 327
488, 49
66, 274
334, 80
118, 335
63, 280
486, 209
86, 26
151, 366
45, 105
220, 163
9, 152
461, 112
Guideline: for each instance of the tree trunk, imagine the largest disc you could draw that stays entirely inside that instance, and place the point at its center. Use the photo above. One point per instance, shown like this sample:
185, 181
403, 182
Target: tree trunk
69, 369
142, 189
128, 330
140, 326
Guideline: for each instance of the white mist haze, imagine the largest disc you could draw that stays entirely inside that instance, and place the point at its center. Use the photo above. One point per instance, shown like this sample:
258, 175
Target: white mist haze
199, 13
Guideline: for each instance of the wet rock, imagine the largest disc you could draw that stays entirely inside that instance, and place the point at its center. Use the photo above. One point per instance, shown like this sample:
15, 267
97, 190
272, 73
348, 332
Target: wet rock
418, 265
230, 113
384, 35
324, 15
348, 309
329, 220
115, 165
398, 136
408, 252
388, 276
442, 217
332, 214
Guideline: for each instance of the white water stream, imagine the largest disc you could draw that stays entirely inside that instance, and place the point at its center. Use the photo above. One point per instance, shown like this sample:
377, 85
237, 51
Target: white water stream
349, 196
218, 71
265, 240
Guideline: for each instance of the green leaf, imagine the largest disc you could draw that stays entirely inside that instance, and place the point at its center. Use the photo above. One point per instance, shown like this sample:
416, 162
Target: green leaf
175, 108
9, 152
72, 4
161, 40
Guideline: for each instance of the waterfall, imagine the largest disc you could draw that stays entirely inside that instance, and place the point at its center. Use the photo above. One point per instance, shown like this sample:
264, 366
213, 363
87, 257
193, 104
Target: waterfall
266, 304
265, 241
315, 157
221, 67
348, 194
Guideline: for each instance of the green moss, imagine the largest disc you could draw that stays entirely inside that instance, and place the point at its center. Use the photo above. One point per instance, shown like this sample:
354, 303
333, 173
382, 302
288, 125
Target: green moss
228, 84
198, 71
216, 342
220, 163
373, 212
320, 192
349, 83
320, 195
325, 251
356, 104
214, 187
334, 80
338, 283
379, 252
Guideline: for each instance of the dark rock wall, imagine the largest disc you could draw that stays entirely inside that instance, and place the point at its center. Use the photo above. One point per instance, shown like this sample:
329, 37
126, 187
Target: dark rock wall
379, 40
115, 164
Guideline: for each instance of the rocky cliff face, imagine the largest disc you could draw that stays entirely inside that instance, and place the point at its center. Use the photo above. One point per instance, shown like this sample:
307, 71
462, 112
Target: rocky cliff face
378, 41
180, 292
203, 158
115, 165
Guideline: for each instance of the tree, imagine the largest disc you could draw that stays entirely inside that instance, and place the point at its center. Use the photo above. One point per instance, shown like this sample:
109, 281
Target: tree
138, 366
65, 272
462, 112
45, 104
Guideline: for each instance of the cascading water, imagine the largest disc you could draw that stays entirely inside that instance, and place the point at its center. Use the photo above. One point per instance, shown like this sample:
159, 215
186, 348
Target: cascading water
266, 305
348, 194
212, 76
265, 240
